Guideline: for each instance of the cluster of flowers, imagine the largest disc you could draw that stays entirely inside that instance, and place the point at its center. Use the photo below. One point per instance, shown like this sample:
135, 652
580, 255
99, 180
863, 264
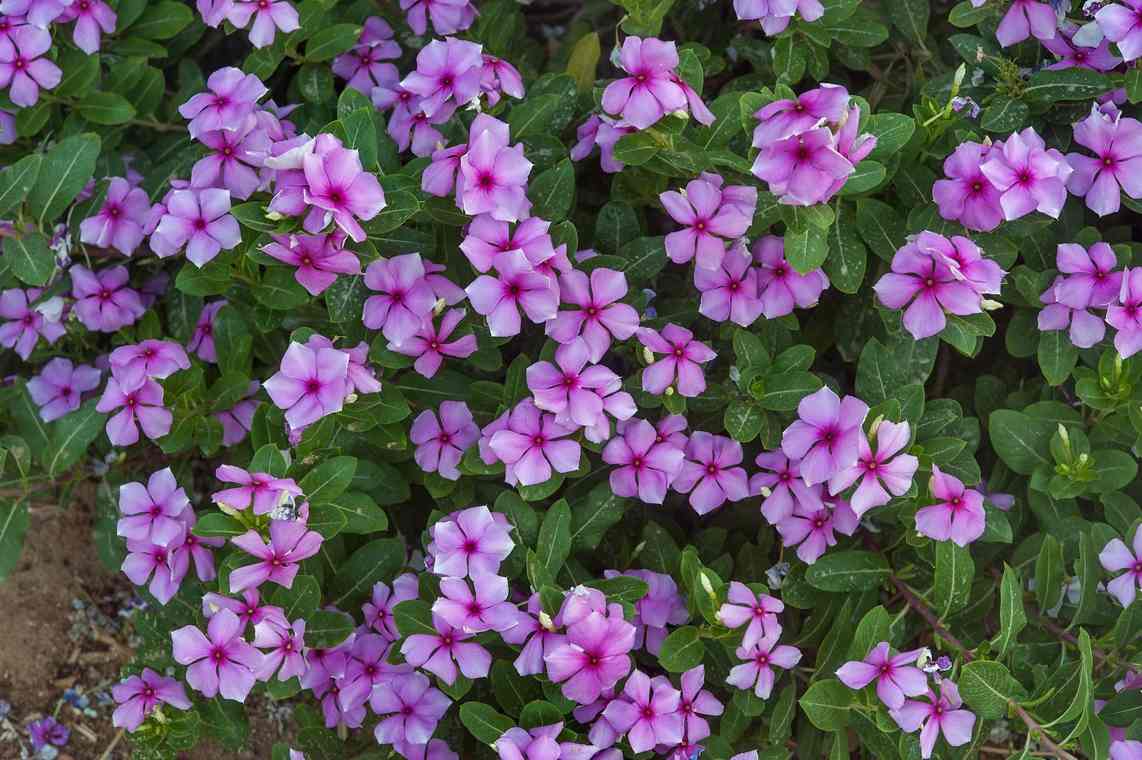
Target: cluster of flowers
1088, 280
775, 15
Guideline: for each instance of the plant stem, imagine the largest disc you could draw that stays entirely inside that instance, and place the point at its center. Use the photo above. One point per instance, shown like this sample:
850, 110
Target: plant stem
1032, 726
916, 603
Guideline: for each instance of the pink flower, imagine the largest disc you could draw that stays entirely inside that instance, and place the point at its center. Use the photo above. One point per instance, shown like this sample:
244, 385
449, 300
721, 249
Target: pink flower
339, 186
23, 69
786, 488
881, 474
709, 473
363, 66
285, 644
221, 662
594, 658
761, 659
538, 639
92, 19
165, 566
1029, 176
367, 670
446, 651
645, 466
1071, 55
825, 437
231, 96
812, 524
966, 262
141, 404
604, 132
405, 299
483, 606
447, 70
681, 364
412, 706
517, 286
1090, 277
59, 386
500, 77
758, 610
260, 490
599, 316
196, 548
695, 703
202, 340
199, 220
430, 345
470, 542
290, 543
378, 611
27, 324
534, 444
540, 743
310, 384
447, 16
269, 16
1026, 18
1117, 145
939, 715
1116, 556
730, 291
40, 13
234, 160
895, 676
441, 443
775, 16
494, 175
648, 92
1119, 22
158, 359
119, 222
958, 517
488, 237
780, 287
801, 169
238, 419
151, 512
968, 196
648, 714
570, 389
1126, 314
708, 221
137, 697
318, 258
783, 118
250, 608
1086, 329
103, 301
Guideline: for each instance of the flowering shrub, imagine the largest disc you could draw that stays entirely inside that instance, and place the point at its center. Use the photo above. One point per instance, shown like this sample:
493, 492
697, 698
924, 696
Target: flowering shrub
803, 420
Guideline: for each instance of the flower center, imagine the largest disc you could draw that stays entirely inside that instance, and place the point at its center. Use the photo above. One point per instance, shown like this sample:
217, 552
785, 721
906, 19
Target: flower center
312, 386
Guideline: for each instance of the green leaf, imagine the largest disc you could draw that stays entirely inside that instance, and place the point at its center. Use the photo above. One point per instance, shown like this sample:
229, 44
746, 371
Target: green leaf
539, 713
1049, 573
1047, 86
848, 571
218, 525
892, 132
300, 600
782, 392
328, 480
1004, 115
868, 175
553, 191
615, 226
592, 517
743, 420
378, 560
533, 116
987, 687
880, 226
910, 17
71, 437
512, 690
327, 628
1021, 441
954, 573
872, 629
331, 41
827, 703
583, 61
226, 721
483, 722
1087, 570
13, 527
162, 20
682, 649
806, 249
1123, 709
414, 617
1115, 469
554, 545
17, 180
848, 258
30, 258
1012, 616
106, 108
65, 170
1057, 356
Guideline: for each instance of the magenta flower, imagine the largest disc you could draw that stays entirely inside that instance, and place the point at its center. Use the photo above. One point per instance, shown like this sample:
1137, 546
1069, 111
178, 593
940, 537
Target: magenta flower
258, 489
774, 16
413, 708
493, 176
966, 262
47, 732
39, 13
430, 345
709, 473
196, 548
648, 92
922, 277
469, 543
895, 676
487, 237
1025, 18
405, 299
151, 513
648, 714
708, 222
202, 340
250, 609
310, 384
967, 196
103, 301
742, 606
238, 419
231, 96
1126, 314
290, 543
363, 66
23, 69
441, 443
1086, 329
234, 160
366, 670
378, 611
92, 18
801, 169
957, 517
119, 222
662, 606
644, 466
813, 524
1073, 55
939, 715
599, 316
681, 364
139, 406
439, 177
136, 697
269, 16
284, 645
882, 475
339, 186
27, 324
783, 118
220, 661
1116, 556
696, 702
536, 632
760, 660
500, 78
604, 132
165, 567
318, 258
569, 387
517, 286
783, 482
157, 359
481, 606
447, 16
1090, 277
540, 743
534, 444
59, 386
445, 651
1119, 23
1028, 175
1117, 146
447, 71
594, 658
825, 437
730, 291
199, 220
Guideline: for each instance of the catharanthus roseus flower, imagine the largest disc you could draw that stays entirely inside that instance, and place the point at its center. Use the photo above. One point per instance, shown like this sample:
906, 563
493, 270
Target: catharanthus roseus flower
710, 472
220, 661
318, 258
201, 221
967, 196
500, 78
784, 483
93, 19
518, 285
539, 742
1119, 22
803, 168
536, 632
152, 512
234, 160
481, 606
405, 297
730, 292
1116, 165
662, 606
430, 344
260, 490
1090, 277
488, 237
760, 660
647, 712
681, 365
1028, 175
1085, 328
708, 220
339, 189
1073, 55
883, 474
493, 175
782, 118
825, 437
446, 652
103, 301
282, 647
231, 96
470, 542
38, 13
58, 388
164, 566
743, 606
569, 388
440, 443
363, 66
310, 384
1026, 18
378, 611
813, 525
202, 340
695, 703
290, 543
1125, 315
410, 708
136, 697
644, 466
533, 445
604, 132
595, 656
269, 17
895, 675
239, 419
47, 732
957, 517
775, 15
943, 714
119, 222
27, 324
157, 359
597, 315
23, 68
447, 16
648, 92
249, 608
139, 406
1117, 556
447, 71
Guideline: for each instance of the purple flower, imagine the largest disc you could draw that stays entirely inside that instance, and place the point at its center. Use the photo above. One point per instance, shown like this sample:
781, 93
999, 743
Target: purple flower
165, 567
500, 78
783, 118
441, 443
801, 169
1091, 279
483, 606
966, 262
539, 743
493, 175
119, 221
604, 132
967, 196
93, 18
1029, 176
921, 275
594, 658
536, 631
488, 237
648, 92
405, 301
447, 16
760, 660
238, 419
825, 437
695, 703
363, 66
774, 16
1086, 329
939, 715
27, 324
310, 384
730, 291
1120, 24
469, 543
103, 301
599, 316
339, 186
220, 661
318, 258
1117, 145
447, 71
648, 713
533, 444
681, 364
8, 132
290, 543
645, 467
378, 611
430, 345
957, 517
249, 609
569, 388
517, 286
196, 548
367, 670
708, 222
157, 359
446, 650
1026, 18
709, 473
59, 386
786, 488
231, 96
813, 522
882, 475
413, 708
1072, 55
759, 610
259, 489
269, 16
285, 644
136, 697
23, 69
199, 220
1126, 314
1116, 556
47, 731
151, 513
234, 160
895, 676
139, 405
40, 13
